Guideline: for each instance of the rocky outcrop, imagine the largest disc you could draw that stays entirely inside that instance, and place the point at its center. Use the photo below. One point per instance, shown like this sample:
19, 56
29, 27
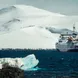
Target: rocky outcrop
11, 72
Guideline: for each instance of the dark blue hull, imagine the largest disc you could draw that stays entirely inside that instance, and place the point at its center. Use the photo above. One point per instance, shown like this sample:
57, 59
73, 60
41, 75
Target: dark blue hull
73, 50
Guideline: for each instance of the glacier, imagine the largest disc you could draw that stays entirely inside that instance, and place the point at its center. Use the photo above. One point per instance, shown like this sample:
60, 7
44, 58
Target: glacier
25, 63
23, 26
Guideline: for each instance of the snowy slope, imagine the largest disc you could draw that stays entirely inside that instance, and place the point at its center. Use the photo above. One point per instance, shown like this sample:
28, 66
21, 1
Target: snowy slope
28, 38
23, 16
24, 26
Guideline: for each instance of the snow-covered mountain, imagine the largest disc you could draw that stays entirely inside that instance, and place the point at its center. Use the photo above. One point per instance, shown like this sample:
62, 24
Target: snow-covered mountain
23, 16
24, 26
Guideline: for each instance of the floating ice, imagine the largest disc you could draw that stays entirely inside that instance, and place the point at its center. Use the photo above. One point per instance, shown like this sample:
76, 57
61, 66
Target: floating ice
28, 62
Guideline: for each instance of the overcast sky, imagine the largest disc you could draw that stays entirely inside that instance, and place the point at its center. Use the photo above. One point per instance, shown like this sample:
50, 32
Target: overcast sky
67, 7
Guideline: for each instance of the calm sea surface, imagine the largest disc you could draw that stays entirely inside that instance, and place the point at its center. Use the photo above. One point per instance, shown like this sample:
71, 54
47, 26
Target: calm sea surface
52, 64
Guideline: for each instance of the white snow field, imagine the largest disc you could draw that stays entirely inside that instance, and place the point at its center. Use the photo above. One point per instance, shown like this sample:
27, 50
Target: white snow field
25, 63
23, 26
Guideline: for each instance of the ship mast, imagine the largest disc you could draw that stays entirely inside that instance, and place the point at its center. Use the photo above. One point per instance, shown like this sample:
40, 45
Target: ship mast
74, 29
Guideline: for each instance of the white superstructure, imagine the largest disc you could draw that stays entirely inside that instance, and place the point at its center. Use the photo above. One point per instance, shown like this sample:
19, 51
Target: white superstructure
68, 41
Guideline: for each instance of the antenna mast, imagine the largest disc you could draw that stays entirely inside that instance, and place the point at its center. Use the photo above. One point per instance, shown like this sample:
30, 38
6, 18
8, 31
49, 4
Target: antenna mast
74, 28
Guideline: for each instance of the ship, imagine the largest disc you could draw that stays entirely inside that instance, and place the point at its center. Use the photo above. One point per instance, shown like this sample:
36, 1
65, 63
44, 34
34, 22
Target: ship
68, 41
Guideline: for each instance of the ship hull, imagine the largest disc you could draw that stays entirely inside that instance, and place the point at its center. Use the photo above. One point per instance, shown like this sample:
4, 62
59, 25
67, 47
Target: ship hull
64, 47
73, 50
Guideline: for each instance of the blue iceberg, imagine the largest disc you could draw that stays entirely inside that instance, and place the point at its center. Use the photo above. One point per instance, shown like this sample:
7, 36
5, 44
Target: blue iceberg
29, 61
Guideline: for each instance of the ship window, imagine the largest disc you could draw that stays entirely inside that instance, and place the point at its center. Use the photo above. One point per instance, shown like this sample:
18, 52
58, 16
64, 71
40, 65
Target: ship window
60, 41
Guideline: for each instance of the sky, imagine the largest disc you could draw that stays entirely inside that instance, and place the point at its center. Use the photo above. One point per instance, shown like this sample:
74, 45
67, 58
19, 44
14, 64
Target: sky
66, 7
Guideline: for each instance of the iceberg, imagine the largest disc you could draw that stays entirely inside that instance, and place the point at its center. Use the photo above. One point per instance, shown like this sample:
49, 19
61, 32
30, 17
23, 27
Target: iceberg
29, 61
25, 63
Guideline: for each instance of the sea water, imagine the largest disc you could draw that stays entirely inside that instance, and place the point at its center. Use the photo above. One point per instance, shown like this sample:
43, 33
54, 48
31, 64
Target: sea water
52, 64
